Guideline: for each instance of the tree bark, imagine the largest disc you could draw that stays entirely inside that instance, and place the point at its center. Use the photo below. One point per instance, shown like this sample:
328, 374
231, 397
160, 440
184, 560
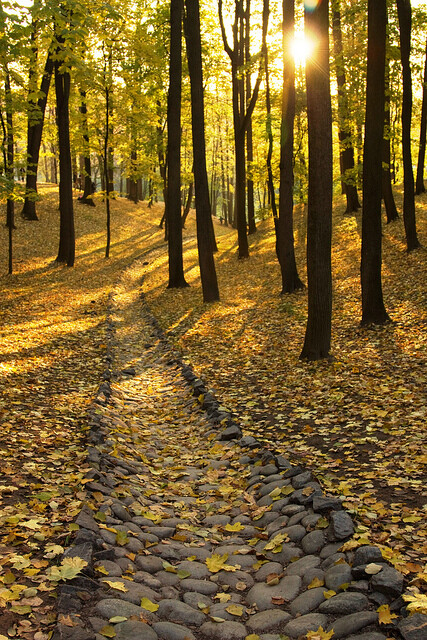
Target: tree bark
203, 210
86, 198
66, 251
249, 134
373, 310
344, 133
284, 224
419, 184
387, 189
173, 202
319, 223
36, 114
404, 14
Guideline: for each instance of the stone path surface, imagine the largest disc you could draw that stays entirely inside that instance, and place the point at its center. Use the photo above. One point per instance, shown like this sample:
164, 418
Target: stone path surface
193, 532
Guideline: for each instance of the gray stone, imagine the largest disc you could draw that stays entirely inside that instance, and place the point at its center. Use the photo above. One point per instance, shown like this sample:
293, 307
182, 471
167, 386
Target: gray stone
267, 569
352, 623
200, 553
86, 521
311, 520
261, 594
326, 503
108, 536
388, 581
305, 497
195, 569
414, 627
180, 612
135, 591
151, 564
172, 631
244, 562
295, 533
265, 501
201, 586
268, 517
278, 505
134, 630
169, 593
344, 603
330, 549
167, 578
223, 631
267, 470
300, 626
161, 532
218, 520
135, 546
194, 599
311, 574
278, 523
337, 576
219, 610
231, 433
266, 489
121, 512
368, 636
307, 601
313, 542
147, 579
366, 555
291, 509
296, 519
231, 578
333, 559
289, 553
268, 620
341, 525
299, 567
273, 478
299, 481
83, 551
112, 568
111, 607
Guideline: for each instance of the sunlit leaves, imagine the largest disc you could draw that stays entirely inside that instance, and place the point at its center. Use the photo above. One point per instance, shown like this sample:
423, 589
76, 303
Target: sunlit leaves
67, 570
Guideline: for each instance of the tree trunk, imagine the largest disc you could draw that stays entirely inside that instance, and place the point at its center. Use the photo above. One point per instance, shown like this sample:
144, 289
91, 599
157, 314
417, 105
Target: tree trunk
36, 115
404, 13
86, 198
284, 225
66, 251
373, 310
173, 203
319, 223
387, 190
269, 132
419, 185
187, 204
249, 135
344, 134
203, 211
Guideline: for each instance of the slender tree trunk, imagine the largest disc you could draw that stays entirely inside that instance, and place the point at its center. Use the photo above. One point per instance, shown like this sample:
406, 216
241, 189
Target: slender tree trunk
387, 190
419, 185
86, 198
404, 13
187, 204
284, 223
66, 251
173, 203
203, 210
373, 310
36, 113
319, 223
269, 131
107, 157
344, 134
249, 134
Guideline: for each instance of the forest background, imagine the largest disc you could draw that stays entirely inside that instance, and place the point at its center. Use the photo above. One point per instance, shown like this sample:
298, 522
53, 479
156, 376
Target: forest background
358, 422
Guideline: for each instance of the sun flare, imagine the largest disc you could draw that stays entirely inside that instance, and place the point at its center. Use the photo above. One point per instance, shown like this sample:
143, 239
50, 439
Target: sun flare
301, 48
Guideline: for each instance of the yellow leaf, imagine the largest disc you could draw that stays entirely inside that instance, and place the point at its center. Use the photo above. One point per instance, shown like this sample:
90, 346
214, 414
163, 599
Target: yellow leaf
223, 597
417, 603
67, 570
117, 619
373, 568
320, 634
108, 631
235, 609
251, 636
148, 605
329, 594
384, 614
116, 585
234, 527
276, 542
102, 570
316, 582
217, 563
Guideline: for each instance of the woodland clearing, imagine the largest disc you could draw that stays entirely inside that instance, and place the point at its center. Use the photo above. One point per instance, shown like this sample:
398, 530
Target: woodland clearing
358, 422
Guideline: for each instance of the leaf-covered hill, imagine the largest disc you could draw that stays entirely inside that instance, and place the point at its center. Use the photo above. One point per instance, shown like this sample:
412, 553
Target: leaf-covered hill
358, 422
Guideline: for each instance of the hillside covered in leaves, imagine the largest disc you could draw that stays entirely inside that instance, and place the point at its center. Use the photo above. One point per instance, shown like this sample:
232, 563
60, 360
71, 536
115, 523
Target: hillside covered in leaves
358, 422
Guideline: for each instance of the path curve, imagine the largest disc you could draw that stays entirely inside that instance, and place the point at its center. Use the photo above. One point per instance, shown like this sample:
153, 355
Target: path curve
192, 532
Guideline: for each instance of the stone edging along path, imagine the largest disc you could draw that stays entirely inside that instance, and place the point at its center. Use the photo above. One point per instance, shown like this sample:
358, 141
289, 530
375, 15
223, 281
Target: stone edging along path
193, 532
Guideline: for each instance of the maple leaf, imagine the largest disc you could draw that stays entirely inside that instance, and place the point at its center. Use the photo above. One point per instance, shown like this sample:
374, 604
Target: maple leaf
217, 563
67, 570
116, 585
417, 603
320, 634
384, 614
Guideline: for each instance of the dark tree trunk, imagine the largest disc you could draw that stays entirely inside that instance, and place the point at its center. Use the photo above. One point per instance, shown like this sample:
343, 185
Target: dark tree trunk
8, 160
319, 223
387, 190
86, 198
133, 183
404, 13
173, 202
419, 185
66, 251
249, 135
284, 225
344, 134
269, 131
373, 310
36, 114
107, 157
187, 204
203, 210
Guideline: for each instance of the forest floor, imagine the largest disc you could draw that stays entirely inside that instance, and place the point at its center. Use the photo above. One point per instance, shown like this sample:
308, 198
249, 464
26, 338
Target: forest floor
358, 422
